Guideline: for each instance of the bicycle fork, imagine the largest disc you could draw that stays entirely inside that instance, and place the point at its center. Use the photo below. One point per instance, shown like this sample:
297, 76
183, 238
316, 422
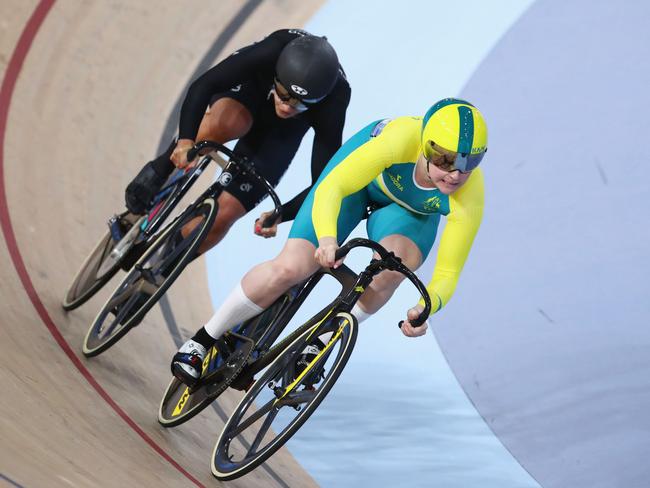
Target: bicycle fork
364, 279
281, 393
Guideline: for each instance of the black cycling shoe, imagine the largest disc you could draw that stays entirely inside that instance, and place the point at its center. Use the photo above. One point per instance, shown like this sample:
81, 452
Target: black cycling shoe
142, 189
307, 356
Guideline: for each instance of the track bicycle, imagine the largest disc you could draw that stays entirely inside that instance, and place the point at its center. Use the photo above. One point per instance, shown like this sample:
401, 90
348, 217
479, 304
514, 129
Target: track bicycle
169, 250
240, 353
283, 397
127, 234
250, 348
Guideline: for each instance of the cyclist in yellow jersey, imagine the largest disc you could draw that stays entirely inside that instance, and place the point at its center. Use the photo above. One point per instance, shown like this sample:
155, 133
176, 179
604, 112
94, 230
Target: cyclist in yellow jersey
411, 170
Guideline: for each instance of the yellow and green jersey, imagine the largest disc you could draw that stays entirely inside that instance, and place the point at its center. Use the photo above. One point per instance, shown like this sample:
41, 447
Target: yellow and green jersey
377, 166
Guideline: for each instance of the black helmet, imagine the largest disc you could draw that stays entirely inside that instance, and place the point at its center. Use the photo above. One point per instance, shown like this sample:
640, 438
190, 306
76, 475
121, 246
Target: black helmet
308, 68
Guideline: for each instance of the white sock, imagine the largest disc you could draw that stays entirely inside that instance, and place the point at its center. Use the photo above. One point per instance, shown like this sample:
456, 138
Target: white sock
235, 309
359, 313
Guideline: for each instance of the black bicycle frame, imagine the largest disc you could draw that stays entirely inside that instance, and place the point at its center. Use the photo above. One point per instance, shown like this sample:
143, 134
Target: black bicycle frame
176, 196
353, 287
236, 164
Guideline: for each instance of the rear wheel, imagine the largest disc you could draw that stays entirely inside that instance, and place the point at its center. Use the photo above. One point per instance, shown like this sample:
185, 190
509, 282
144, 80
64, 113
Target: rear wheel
149, 279
180, 403
98, 268
282, 399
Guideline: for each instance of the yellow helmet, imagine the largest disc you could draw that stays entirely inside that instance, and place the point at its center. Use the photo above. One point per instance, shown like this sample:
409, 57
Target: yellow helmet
457, 126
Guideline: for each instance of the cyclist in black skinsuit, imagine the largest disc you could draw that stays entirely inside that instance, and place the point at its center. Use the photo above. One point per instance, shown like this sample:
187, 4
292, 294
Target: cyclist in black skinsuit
267, 95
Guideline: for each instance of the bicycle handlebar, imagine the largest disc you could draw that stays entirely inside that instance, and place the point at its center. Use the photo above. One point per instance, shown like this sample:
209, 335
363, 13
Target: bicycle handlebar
270, 220
201, 147
211, 145
394, 263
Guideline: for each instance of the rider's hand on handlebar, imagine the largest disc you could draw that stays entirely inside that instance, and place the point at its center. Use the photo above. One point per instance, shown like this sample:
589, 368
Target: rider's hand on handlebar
410, 331
179, 155
266, 232
325, 254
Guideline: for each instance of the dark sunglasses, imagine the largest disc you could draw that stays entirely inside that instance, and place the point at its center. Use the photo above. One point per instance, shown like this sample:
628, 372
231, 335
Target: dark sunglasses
450, 161
283, 94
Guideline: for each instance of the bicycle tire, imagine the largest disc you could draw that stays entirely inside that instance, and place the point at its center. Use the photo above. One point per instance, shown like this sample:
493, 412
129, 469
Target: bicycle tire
80, 291
94, 345
222, 465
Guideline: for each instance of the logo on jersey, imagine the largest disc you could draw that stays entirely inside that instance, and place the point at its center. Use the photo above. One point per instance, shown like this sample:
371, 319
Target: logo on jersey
396, 181
236, 88
299, 90
246, 187
225, 178
432, 203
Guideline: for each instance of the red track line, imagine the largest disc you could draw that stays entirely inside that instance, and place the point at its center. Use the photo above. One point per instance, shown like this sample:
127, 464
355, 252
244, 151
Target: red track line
6, 92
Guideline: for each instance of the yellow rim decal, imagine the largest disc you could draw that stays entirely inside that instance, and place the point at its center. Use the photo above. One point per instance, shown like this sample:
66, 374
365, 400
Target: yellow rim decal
181, 403
360, 289
186, 394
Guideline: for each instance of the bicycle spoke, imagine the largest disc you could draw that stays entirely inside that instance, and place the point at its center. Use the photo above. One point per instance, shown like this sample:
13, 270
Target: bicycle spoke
123, 311
135, 298
88, 276
253, 418
105, 253
118, 299
129, 298
170, 254
107, 331
263, 430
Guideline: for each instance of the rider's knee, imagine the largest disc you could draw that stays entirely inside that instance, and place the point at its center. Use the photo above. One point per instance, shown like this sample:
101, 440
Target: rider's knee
226, 120
230, 211
225, 220
386, 281
286, 273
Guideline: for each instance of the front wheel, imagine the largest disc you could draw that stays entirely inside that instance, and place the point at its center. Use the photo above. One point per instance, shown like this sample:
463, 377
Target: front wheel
285, 398
149, 278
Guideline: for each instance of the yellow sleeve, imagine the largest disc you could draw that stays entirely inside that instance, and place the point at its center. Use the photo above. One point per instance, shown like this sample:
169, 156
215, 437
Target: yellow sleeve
352, 174
463, 221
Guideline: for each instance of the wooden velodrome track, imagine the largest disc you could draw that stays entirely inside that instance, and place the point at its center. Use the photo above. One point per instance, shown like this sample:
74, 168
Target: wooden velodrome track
87, 90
